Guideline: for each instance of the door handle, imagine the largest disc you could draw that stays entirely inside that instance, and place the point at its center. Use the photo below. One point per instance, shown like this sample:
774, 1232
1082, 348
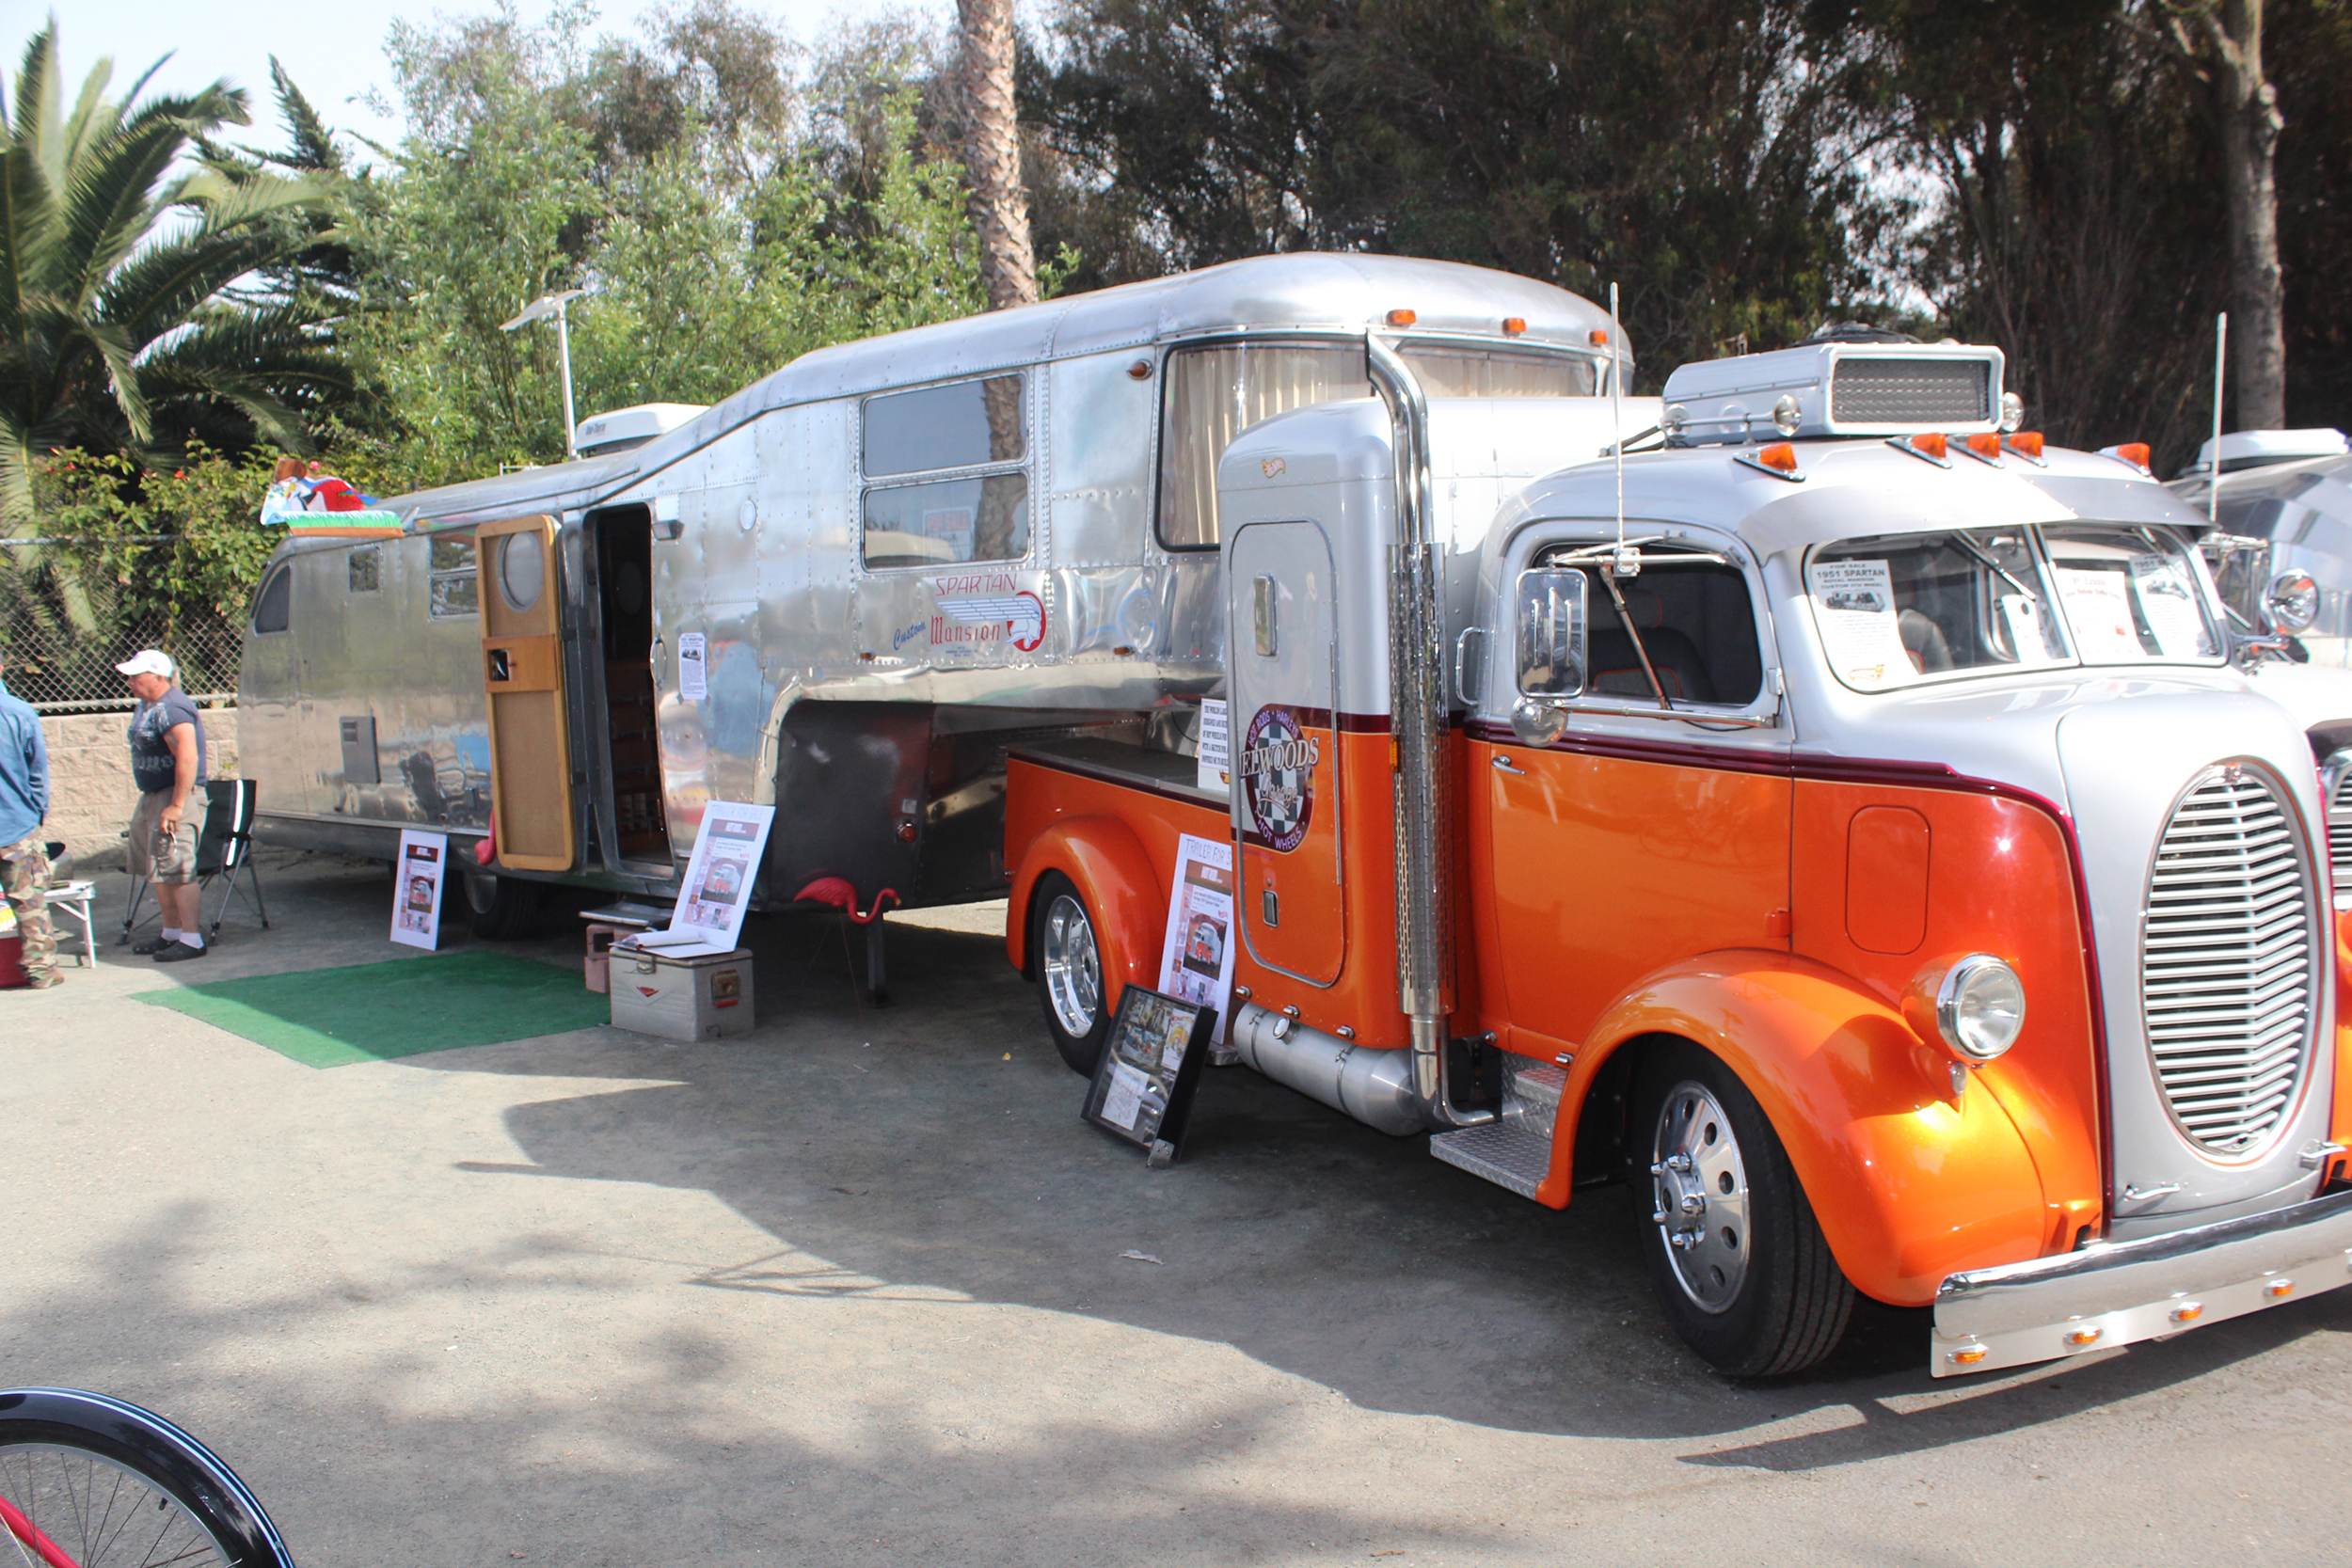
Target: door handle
1503, 764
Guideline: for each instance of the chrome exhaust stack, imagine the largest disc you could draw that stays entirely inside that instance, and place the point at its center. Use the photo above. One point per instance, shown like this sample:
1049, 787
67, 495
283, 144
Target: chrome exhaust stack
1377, 1087
1424, 879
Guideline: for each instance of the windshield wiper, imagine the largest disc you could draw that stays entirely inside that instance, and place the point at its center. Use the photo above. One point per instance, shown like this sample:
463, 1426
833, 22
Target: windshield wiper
2006, 575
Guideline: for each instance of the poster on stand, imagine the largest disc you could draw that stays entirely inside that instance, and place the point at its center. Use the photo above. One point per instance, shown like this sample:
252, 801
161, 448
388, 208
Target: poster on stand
1197, 953
717, 891
1151, 1065
419, 877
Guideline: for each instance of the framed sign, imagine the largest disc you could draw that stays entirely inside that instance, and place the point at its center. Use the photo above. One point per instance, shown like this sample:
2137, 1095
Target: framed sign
1197, 952
418, 878
1143, 1085
717, 892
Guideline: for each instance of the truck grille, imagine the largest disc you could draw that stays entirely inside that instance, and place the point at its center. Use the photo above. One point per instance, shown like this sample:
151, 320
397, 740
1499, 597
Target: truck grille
2229, 967
2337, 776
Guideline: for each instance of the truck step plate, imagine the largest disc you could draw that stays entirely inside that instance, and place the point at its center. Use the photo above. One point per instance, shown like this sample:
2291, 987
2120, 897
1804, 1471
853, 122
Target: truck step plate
1506, 1153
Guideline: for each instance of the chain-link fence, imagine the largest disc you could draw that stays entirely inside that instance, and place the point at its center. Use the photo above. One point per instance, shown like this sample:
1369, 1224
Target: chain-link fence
63, 631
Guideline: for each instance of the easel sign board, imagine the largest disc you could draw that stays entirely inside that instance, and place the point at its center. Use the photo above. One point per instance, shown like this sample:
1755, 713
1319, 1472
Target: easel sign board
717, 891
419, 877
1197, 952
1143, 1085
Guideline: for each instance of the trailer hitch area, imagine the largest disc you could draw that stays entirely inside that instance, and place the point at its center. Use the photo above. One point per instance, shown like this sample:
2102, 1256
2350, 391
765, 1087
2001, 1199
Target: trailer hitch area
1474, 1073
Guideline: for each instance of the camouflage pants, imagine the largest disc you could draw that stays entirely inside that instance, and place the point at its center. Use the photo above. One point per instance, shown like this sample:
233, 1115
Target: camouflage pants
23, 873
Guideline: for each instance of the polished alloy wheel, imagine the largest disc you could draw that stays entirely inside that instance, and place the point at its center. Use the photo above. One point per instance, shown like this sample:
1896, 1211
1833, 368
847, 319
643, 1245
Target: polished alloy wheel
1074, 972
1701, 1186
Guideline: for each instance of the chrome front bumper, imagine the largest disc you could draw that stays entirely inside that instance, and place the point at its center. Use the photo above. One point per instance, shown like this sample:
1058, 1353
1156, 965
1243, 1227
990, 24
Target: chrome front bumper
2019, 1313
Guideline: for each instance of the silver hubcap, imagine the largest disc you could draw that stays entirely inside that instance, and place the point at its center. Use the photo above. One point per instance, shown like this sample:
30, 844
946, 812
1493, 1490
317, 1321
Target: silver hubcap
1702, 1196
1074, 976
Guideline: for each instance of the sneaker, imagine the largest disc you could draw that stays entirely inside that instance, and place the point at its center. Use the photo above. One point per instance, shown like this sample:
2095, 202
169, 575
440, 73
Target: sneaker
176, 951
43, 982
153, 946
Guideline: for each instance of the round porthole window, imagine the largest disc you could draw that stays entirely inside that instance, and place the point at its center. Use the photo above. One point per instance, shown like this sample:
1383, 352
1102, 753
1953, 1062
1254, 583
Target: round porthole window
523, 569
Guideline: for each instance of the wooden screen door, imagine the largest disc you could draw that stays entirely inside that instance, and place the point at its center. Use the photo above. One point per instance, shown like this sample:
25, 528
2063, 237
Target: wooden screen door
522, 676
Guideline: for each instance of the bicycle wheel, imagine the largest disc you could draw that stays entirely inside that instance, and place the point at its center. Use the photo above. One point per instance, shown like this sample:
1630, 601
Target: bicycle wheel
89, 1481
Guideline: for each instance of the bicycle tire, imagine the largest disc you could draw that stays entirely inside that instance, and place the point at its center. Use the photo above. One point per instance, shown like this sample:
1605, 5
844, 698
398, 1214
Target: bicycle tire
65, 1454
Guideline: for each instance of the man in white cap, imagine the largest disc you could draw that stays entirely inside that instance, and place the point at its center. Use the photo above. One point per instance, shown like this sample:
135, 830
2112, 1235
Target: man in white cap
166, 763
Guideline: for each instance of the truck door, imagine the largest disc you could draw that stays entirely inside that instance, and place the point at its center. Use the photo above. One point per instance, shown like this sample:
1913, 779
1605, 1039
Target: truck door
522, 678
1285, 748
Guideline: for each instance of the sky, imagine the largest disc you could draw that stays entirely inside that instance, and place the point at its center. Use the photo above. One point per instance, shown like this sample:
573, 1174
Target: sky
334, 49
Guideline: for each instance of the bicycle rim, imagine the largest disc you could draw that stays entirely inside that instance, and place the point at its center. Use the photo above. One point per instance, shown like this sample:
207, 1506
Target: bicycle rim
96, 1513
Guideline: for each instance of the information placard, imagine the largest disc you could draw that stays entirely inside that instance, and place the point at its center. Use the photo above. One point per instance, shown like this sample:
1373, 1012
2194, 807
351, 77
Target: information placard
1143, 1087
1211, 768
418, 878
717, 892
1197, 953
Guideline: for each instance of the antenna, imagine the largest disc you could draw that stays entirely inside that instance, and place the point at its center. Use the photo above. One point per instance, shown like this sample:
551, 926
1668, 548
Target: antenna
1622, 566
2213, 479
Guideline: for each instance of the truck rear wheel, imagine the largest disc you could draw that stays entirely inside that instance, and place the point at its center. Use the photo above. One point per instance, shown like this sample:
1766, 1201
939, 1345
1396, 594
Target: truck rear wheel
1742, 1270
504, 908
1069, 971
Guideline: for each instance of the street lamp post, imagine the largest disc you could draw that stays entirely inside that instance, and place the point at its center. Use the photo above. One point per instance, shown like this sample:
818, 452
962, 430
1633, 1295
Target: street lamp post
539, 309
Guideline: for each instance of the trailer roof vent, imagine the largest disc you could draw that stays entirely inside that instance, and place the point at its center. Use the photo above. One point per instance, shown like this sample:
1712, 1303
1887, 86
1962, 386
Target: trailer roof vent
620, 429
1840, 389
2257, 448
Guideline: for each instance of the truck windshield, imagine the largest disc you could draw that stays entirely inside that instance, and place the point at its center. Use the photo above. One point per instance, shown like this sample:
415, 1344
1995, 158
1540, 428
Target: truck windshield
2131, 594
1900, 609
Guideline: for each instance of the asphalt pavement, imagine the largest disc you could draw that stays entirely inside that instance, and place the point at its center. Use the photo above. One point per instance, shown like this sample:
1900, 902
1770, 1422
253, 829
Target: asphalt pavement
853, 1291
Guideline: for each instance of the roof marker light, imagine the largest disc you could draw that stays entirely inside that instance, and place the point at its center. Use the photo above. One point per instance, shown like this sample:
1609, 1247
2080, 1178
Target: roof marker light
2279, 1290
1513, 326
2084, 1334
1929, 445
2028, 445
1985, 446
1778, 460
2134, 453
1402, 318
1598, 337
2188, 1311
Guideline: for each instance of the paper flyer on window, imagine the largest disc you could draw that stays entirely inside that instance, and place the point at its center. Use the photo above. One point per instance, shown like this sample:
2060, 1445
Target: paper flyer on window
417, 884
1853, 601
693, 666
2168, 601
717, 892
1215, 762
1197, 953
2100, 614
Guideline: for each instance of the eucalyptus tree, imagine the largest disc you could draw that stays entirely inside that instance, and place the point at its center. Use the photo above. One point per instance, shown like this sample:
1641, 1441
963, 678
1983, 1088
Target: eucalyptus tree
120, 249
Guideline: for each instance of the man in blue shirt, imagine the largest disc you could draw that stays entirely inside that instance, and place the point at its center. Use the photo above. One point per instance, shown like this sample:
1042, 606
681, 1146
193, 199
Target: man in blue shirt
23, 859
166, 763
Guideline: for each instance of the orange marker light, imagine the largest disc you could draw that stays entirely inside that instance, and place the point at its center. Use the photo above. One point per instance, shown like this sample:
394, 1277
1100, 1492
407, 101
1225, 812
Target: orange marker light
1598, 337
1402, 318
2279, 1290
1968, 1355
2087, 1335
1780, 455
1933, 443
2188, 1311
2027, 442
2134, 453
1513, 326
1986, 444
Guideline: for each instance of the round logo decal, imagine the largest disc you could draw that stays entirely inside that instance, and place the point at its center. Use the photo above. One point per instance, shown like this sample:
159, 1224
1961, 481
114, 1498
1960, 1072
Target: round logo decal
1277, 771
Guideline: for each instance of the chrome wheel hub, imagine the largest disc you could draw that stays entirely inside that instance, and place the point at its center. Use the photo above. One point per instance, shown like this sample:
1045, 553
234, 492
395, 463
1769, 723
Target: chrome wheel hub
1074, 973
1701, 1191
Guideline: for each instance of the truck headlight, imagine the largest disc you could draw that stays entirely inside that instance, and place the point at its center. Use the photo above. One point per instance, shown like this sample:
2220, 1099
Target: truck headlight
2293, 602
1980, 1007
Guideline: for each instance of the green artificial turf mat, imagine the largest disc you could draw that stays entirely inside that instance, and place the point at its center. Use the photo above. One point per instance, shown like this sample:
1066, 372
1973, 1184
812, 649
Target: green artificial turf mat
401, 1007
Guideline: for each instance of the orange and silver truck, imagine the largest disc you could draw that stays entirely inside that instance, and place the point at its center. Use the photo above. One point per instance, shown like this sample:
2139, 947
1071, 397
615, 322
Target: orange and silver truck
1831, 810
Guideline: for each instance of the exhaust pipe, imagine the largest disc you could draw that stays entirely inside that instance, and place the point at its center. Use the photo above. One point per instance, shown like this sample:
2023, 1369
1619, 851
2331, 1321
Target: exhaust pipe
1373, 1086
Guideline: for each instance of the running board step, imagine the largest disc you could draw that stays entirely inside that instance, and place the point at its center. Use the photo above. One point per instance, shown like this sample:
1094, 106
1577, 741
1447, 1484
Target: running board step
1506, 1153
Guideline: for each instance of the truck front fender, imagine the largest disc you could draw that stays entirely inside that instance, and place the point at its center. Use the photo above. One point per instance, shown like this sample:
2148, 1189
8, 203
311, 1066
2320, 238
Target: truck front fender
1103, 858
1910, 1181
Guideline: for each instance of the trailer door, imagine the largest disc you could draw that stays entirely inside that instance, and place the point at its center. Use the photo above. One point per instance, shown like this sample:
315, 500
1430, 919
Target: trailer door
522, 678
1285, 749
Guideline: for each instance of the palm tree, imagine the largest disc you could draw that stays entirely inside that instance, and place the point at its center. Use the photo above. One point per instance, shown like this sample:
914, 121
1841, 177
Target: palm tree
121, 324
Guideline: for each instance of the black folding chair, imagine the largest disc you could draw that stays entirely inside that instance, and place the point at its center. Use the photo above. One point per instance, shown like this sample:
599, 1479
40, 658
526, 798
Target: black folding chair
224, 853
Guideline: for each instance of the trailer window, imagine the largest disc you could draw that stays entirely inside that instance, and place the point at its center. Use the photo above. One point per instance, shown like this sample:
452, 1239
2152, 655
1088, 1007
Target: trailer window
985, 518
1215, 394
967, 425
273, 606
366, 567
1899, 609
452, 589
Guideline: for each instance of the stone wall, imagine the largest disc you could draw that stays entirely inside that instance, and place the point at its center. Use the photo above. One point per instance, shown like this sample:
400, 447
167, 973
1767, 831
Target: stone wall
90, 793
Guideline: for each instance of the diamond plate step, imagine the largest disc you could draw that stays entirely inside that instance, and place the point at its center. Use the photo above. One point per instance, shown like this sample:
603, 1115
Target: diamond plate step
1530, 1092
1506, 1153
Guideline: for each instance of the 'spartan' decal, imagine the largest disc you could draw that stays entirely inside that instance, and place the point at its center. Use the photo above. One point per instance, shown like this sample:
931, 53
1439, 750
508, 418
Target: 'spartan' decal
1278, 776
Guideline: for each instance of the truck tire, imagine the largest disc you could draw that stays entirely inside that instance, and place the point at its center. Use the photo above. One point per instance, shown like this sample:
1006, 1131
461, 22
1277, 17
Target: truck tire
1742, 1270
1069, 971
504, 908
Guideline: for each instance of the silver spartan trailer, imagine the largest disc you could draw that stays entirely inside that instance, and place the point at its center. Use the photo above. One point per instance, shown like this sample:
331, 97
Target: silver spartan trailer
844, 590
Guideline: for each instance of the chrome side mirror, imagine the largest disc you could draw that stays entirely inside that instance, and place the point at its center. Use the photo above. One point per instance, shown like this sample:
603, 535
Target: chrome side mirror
1549, 632
2292, 602
1537, 724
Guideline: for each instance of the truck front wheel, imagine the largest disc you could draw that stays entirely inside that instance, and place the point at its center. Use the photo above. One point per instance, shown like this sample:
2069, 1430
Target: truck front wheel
1070, 965
504, 908
1742, 1268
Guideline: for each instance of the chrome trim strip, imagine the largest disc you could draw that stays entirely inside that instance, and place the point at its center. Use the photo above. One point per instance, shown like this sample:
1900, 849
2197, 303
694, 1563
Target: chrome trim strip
2020, 1313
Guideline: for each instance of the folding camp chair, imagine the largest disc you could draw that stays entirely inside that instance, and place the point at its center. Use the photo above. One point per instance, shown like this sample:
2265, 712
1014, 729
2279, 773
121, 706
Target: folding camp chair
224, 853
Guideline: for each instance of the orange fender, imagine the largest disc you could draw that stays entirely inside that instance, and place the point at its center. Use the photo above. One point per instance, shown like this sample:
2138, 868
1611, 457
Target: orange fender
1910, 1183
1102, 856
